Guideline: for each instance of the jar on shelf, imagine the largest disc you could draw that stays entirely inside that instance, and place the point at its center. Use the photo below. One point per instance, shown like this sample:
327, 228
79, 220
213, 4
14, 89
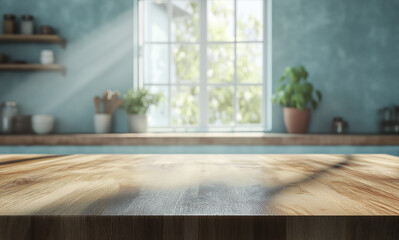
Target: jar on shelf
27, 24
9, 110
8, 24
22, 124
47, 57
339, 125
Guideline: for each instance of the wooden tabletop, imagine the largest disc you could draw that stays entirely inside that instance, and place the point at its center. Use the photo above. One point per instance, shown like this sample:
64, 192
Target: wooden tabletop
195, 139
199, 185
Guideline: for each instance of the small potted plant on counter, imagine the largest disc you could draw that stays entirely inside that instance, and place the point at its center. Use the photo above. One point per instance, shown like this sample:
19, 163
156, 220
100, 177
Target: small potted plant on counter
295, 94
136, 104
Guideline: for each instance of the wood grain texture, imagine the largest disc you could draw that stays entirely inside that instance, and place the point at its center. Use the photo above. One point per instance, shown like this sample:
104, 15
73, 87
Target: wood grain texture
193, 197
199, 185
31, 67
142, 227
200, 227
37, 38
195, 139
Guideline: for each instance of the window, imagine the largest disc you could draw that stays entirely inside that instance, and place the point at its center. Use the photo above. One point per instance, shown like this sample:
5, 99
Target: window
206, 58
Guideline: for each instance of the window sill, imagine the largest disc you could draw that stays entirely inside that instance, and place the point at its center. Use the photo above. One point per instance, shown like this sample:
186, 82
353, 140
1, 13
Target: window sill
192, 139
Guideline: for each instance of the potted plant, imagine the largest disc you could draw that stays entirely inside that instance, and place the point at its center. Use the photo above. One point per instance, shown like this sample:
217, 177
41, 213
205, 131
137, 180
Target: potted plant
295, 94
136, 104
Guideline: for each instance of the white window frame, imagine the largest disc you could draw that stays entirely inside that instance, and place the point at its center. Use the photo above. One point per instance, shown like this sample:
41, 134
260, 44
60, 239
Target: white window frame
266, 118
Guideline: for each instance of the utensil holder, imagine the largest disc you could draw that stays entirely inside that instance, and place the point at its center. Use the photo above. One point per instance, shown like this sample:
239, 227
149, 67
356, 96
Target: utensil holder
102, 123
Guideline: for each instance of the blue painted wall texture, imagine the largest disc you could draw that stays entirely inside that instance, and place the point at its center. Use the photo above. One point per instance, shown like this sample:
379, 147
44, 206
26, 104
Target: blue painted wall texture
99, 56
349, 47
392, 150
351, 50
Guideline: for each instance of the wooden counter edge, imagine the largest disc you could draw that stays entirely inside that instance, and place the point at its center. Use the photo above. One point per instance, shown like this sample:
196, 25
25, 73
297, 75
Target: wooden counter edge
192, 139
199, 227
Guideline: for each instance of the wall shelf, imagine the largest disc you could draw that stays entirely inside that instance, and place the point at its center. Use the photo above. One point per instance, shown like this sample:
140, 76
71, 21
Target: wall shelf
196, 139
32, 67
35, 38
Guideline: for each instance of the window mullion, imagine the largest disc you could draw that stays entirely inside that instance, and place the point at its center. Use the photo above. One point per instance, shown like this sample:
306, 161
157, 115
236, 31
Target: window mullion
169, 9
203, 102
141, 44
267, 63
235, 100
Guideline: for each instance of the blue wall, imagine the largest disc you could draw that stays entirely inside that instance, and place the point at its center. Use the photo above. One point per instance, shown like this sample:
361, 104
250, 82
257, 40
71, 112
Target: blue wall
99, 56
393, 150
349, 47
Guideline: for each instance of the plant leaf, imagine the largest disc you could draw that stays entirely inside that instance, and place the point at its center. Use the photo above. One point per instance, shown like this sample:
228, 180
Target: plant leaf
287, 71
309, 87
314, 104
304, 73
297, 92
294, 76
300, 106
319, 95
138, 102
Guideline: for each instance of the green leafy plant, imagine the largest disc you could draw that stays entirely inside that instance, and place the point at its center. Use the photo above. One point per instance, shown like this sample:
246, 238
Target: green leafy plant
295, 91
139, 101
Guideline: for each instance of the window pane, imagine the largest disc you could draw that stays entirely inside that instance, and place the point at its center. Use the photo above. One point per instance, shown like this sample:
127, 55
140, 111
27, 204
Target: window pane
158, 116
185, 66
172, 62
185, 111
156, 19
220, 63
220, 106
249, 104
220, 20
156, 63
185, 21
249, 20
249, 62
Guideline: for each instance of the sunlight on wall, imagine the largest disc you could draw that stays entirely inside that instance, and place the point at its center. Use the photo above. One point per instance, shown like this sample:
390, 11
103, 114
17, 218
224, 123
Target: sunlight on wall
100, 50
102, 59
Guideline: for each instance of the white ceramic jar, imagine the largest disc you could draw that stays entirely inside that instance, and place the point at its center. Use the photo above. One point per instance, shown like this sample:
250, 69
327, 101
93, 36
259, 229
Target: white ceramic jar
47, 57
42, 124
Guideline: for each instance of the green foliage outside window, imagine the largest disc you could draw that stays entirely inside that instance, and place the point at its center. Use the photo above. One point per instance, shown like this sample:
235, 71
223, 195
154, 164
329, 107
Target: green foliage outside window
184, 101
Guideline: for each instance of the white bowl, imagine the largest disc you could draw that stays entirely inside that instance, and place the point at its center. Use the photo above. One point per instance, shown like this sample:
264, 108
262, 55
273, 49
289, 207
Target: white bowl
42, 118
42, 124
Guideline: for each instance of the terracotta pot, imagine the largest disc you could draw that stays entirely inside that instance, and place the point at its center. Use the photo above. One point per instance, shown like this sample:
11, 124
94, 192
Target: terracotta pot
296, 121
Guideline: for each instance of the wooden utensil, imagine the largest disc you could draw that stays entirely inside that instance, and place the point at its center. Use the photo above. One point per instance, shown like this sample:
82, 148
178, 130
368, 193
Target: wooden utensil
97, 102
114, 99
115, 106
106, 101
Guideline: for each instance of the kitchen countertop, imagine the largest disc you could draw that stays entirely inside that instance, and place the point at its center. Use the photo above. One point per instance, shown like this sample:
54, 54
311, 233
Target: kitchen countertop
194, 139
275, 187
199, 184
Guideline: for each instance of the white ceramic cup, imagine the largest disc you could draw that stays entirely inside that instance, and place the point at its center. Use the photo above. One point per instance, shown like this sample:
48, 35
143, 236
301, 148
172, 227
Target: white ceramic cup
42, 124
102, 123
